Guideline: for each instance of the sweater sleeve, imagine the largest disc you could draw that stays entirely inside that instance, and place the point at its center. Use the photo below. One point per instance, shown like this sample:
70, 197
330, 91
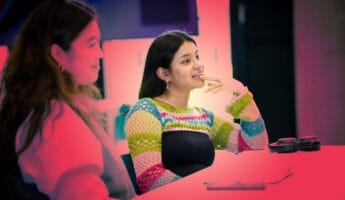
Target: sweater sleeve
65, 160
249, 134
143, 129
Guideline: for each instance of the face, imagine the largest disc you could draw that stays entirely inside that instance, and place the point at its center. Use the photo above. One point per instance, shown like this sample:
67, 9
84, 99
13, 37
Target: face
82, 60
185, 69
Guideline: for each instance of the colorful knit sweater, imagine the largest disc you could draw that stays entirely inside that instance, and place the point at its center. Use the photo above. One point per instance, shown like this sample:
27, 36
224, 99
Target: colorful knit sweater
149, 120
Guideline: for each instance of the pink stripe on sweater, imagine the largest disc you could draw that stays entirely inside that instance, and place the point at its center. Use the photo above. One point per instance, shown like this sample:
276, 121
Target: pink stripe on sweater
149, 176
184, 116
242, 145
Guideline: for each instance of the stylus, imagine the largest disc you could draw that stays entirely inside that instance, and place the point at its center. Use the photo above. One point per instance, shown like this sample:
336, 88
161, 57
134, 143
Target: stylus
238, 186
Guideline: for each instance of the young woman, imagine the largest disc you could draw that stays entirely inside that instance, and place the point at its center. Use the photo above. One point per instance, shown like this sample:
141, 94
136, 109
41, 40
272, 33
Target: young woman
167, 138
50, 129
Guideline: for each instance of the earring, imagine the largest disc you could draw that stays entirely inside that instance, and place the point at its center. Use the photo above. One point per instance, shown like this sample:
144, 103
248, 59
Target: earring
61, 67
167, 84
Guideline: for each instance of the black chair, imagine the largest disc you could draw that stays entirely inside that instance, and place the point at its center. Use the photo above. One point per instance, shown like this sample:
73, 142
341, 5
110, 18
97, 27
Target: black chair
13, 187
127, 160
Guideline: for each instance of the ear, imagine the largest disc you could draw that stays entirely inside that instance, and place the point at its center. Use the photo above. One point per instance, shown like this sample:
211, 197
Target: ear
58, 54
163, 74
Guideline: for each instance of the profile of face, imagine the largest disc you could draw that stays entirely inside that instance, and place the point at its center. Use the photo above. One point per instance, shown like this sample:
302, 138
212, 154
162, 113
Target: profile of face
185, 69
82, 59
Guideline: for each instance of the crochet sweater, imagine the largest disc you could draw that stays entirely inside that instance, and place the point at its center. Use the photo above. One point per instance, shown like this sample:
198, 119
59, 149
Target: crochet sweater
152, 126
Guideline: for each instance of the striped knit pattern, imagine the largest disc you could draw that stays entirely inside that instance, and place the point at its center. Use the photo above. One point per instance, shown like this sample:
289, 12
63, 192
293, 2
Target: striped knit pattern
148, 119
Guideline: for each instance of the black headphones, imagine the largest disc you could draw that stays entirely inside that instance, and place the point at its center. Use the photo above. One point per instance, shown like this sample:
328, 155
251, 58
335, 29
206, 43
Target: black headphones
287, 145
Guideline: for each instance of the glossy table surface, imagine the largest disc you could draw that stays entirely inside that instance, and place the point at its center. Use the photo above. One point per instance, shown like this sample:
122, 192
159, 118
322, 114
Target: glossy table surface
313, 175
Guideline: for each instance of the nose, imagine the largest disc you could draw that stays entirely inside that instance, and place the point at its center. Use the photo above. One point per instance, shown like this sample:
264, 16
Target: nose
100, 53
198, 65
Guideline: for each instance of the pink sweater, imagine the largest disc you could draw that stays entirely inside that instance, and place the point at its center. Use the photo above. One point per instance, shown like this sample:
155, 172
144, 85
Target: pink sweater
69, 161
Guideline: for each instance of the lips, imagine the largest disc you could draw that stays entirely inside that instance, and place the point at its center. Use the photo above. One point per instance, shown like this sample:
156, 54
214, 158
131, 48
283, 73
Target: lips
197, 75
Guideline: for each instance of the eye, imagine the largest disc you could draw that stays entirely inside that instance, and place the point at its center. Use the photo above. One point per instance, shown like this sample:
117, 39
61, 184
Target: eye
186, 61
197, 56
93, 44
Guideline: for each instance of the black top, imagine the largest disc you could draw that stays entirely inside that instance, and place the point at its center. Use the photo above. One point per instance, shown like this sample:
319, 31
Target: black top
185, 152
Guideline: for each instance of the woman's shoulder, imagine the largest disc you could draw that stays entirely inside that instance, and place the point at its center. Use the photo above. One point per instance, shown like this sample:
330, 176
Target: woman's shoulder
146, 105
60, 110
63, 119
61, 122
146, 100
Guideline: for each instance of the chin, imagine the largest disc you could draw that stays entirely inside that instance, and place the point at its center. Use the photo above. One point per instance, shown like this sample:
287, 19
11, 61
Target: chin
94, 79
199, 85
87, 82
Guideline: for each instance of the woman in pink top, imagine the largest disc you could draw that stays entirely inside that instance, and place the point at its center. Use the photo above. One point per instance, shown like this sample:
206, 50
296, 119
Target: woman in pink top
52, 141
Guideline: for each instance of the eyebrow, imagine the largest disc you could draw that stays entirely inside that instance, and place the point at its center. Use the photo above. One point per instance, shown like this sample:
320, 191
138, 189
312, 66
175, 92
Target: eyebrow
188, 54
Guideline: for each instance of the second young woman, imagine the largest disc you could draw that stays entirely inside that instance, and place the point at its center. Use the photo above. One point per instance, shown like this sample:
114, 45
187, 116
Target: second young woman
167, 138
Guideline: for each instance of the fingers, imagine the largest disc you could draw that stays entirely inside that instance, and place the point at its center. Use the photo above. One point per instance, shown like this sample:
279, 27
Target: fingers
214, 85
214, 89
209, 78
217, 89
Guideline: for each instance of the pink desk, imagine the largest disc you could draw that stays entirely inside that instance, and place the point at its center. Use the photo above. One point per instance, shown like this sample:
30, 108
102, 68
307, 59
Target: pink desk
316, 175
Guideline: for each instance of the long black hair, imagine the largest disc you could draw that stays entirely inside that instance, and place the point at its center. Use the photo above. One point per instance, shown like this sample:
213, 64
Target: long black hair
161, 54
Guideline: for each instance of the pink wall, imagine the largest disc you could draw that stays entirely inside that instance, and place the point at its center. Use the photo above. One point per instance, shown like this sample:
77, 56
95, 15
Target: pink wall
320, 69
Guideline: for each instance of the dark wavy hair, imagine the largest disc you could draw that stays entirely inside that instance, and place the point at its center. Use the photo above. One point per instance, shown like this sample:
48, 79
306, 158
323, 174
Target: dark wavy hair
161, 54
32, 77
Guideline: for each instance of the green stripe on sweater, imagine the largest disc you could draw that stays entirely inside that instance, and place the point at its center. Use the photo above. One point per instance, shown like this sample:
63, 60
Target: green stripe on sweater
221, 138
236, 108
144, 142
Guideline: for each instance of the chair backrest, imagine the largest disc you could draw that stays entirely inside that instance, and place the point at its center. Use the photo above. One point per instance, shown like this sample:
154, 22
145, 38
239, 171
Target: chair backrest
127, 160
14, 187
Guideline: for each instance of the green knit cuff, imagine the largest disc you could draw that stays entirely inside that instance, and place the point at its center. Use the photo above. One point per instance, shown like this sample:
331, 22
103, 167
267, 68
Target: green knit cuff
221, 139
236, 108
144, 142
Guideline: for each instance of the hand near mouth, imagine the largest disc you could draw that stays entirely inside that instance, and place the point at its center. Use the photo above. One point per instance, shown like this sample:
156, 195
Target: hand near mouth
215, 85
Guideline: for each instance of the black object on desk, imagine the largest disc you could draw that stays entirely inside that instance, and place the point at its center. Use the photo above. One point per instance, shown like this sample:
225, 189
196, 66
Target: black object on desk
287, 145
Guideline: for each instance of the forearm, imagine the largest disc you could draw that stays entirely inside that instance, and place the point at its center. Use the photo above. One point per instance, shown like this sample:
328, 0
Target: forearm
251, 134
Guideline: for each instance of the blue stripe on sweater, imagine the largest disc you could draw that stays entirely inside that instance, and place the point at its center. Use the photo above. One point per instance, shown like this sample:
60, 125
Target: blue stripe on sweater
253, 128
144, 104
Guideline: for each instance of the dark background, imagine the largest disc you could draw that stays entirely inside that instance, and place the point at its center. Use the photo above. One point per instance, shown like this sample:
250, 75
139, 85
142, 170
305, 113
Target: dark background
263, 59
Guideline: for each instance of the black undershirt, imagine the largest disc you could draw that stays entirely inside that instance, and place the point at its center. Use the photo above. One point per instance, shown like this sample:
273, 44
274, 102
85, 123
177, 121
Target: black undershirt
185, 152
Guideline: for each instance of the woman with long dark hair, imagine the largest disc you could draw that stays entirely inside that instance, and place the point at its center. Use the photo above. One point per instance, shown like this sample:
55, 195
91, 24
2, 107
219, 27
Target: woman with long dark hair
51, 132
169, 139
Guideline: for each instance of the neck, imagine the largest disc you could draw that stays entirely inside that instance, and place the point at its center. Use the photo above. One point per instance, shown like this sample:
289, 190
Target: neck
174, 98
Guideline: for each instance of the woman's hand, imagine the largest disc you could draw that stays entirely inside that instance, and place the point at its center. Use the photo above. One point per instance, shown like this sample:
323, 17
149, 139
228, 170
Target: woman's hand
215, 85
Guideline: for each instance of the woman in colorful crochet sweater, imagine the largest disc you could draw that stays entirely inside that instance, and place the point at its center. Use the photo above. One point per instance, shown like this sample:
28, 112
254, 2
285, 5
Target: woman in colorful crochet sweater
167, 138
